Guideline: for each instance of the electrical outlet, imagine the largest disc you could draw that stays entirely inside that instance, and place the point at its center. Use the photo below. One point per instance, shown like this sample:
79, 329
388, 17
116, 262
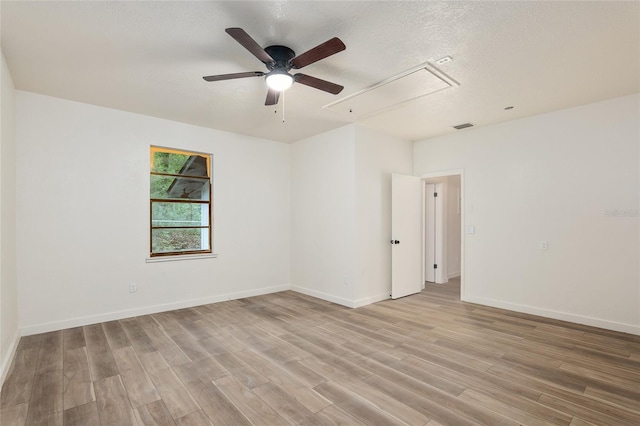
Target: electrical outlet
544, 245
133, 288
346, 280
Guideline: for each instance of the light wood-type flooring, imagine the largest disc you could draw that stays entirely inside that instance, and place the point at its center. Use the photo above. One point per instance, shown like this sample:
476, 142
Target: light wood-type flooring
290, 359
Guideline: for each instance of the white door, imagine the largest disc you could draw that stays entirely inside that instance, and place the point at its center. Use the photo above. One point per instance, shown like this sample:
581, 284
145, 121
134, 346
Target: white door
406, 234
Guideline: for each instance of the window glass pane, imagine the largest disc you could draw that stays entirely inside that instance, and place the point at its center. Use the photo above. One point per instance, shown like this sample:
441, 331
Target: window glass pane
169, 187
179, 163
179, 214
177, 240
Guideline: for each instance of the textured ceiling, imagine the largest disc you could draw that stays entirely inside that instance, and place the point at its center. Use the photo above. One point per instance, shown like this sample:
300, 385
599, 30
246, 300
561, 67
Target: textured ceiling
149, 57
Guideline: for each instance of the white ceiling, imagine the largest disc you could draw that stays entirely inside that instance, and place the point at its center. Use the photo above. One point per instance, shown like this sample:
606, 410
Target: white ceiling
149, 57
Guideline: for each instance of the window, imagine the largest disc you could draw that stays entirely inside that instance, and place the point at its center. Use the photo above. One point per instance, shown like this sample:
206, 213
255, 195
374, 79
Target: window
180, 202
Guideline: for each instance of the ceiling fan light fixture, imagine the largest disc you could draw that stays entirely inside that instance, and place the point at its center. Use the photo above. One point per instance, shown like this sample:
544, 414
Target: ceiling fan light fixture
279, 81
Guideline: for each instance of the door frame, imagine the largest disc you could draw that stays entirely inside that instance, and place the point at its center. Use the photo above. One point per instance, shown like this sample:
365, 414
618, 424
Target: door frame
441, 174
439, 231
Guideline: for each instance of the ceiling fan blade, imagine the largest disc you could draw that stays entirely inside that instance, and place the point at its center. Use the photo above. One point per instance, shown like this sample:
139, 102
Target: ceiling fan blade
272, 97
317, 83
234, 75
321, 51
250, 44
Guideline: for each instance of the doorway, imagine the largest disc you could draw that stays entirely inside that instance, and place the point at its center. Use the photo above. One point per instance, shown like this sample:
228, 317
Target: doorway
443, 246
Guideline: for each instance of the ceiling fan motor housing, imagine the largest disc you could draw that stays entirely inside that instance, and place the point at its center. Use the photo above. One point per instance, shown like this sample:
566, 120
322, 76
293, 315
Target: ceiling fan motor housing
282, 56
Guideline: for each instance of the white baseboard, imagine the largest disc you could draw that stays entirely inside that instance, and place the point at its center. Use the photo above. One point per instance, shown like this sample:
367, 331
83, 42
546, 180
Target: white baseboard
324, 296
369, 300
563, 316
5, 363
453, 274
339, 300
111, 316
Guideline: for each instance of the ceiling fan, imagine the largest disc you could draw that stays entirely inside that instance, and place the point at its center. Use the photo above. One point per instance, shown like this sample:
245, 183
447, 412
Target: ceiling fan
279, 61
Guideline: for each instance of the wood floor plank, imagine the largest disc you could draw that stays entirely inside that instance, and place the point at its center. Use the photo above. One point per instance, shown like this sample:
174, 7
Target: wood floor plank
632, 404
418, 401
137, 336
189, 346
305, 374
168, 323
28, 342
198, 418
416, 370
336, 416
153, 362
599, 405
204, 370
624, 383
213, 346
113, 403
101, 363
215, 404
379, 399
82, 415
585, 413
115, 335
154, 414
15, 415
139, 386
471, 378
483, 401
78, 386
285, 380
254, 408
46, 398
167, 347
147, 322
178, 400
19, 381
49, 419
284, 404
73, 338
50, 353
366, 412
246, 374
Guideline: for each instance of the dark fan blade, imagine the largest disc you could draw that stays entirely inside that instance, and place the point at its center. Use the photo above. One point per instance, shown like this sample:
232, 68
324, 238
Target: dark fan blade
321, 51
232, 76
317, 83
250, 44
272, 97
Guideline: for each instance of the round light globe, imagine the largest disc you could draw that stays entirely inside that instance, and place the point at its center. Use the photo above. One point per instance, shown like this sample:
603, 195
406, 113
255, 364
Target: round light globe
279, 81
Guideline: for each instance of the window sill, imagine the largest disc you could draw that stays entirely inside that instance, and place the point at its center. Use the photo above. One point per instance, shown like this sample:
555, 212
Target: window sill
180, 257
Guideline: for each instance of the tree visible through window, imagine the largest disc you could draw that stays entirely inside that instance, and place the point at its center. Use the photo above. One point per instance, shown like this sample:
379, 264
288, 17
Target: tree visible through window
180, 202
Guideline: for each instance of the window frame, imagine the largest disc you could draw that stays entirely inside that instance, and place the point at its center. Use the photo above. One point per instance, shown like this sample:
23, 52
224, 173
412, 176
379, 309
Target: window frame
209, 203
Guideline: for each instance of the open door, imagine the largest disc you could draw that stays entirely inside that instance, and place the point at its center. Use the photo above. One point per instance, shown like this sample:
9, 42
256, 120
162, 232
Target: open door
406, 234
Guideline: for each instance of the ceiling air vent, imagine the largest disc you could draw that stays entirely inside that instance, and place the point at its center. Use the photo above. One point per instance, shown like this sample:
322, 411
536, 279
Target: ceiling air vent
463, 126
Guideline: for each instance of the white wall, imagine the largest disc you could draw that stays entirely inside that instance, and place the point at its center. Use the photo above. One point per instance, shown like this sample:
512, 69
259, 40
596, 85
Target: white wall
323, 215
341, 213
8, 271
552, 177
453, 226
83, 213
377, 157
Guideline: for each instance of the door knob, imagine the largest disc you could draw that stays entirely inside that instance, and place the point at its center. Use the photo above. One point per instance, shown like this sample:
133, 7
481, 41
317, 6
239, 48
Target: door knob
395, 242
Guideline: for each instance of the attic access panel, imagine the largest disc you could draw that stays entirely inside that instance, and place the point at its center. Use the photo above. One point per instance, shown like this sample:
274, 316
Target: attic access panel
415, 83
